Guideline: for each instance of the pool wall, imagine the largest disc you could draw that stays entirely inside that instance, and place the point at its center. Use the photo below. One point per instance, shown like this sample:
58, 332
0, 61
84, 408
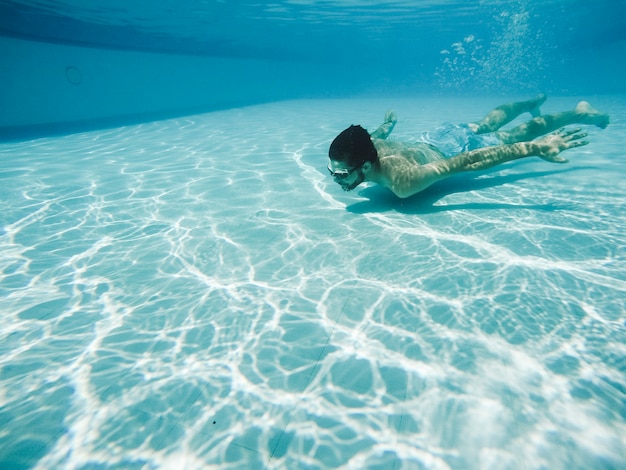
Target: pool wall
54, 88
48, 87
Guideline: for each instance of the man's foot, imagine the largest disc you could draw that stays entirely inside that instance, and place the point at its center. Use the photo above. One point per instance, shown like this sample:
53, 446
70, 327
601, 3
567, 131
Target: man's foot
535, 103
591, 116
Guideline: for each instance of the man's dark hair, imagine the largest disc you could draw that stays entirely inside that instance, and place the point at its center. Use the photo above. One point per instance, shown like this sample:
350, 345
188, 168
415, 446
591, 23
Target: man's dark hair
354, 147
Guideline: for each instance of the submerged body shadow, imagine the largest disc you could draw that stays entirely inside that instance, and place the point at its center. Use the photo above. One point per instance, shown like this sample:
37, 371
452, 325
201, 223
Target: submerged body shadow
383, 200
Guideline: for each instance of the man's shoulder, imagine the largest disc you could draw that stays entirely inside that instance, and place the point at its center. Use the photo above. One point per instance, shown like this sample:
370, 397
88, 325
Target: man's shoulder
413, 152
386, 147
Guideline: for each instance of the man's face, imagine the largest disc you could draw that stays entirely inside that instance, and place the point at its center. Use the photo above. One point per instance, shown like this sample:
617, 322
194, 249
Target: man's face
347, 178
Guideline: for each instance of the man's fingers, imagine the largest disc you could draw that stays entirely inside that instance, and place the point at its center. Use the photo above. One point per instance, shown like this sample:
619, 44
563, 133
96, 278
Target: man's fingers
564, 132
576, 143
577, 136
572, 134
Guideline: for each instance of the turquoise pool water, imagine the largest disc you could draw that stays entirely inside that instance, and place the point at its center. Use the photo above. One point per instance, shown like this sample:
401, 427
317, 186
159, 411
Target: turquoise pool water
198, 293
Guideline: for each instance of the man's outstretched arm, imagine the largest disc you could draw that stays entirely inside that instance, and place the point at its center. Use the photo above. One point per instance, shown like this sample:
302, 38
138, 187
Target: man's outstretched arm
547, 147
409, 181
385, 129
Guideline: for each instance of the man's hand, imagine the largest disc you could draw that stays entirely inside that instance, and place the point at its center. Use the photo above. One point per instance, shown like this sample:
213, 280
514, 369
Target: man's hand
386, 127
552, 144
391, 117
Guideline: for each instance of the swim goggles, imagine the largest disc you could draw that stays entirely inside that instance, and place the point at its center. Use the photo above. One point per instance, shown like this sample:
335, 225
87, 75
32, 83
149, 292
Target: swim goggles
341, 174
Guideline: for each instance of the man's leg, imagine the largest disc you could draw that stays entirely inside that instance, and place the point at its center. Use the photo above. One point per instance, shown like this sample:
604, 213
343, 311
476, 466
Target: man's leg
540, 125
506, 113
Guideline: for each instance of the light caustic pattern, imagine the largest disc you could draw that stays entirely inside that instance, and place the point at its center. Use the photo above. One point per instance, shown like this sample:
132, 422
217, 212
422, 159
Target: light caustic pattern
199, 292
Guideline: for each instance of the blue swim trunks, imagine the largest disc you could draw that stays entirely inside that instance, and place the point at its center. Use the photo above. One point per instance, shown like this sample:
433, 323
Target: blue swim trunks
452, 139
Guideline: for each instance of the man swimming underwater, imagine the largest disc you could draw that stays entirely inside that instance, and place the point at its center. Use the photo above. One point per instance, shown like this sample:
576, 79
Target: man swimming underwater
407, 168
